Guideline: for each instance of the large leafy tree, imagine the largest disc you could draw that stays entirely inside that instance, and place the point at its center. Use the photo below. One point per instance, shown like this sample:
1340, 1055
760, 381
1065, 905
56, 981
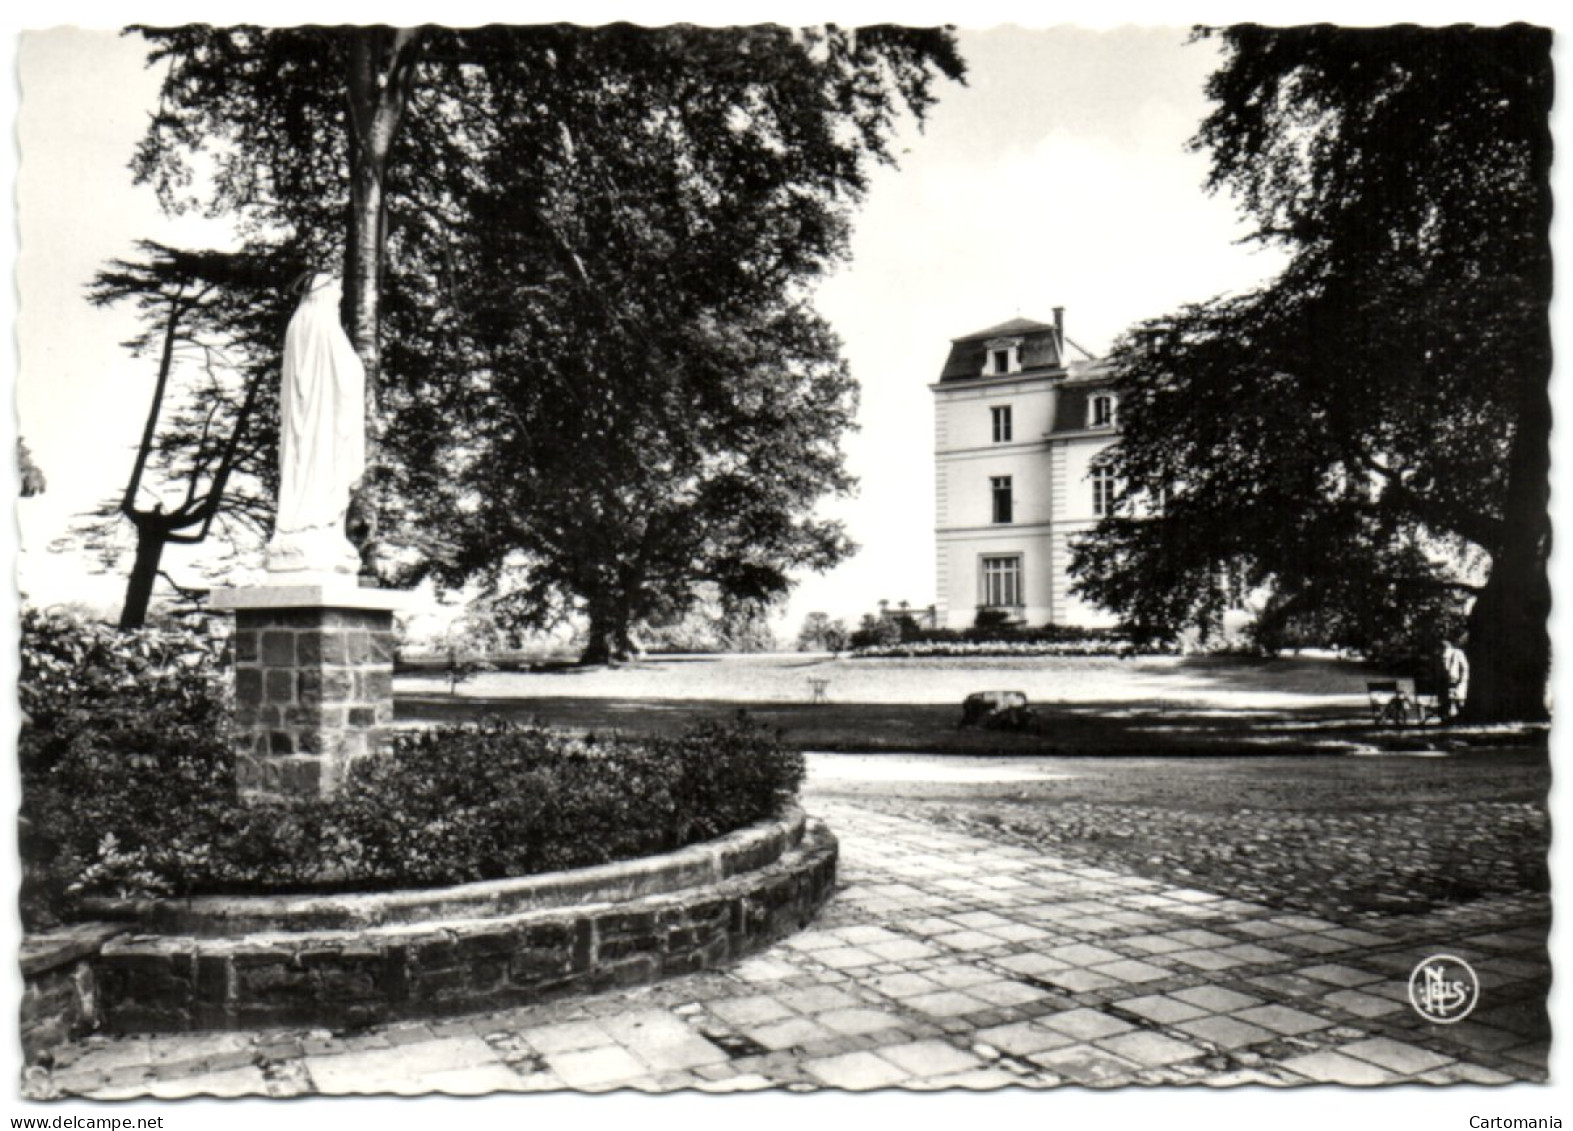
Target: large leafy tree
1370, 430
596, 356
653, 407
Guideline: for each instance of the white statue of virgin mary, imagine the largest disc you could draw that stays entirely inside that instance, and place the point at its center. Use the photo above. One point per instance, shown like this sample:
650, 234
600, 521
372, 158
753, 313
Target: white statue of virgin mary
322, 437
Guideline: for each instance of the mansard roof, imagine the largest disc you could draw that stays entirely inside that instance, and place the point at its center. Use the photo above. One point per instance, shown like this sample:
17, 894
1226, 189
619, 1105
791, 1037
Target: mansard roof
1093, 371
1007, 329
1040, 349
1073, 399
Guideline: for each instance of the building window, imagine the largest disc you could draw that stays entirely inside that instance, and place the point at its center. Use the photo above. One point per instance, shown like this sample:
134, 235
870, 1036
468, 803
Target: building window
1002, 582
999, 489
999, 361
1102, 411
1001, 424
1103, 491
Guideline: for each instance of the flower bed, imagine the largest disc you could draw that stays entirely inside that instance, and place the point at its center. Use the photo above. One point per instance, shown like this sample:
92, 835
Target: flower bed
1105, 646
128, 789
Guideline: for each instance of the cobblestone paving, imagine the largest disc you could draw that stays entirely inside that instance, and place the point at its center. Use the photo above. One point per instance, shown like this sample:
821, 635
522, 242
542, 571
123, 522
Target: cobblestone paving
1388, 861
949, 959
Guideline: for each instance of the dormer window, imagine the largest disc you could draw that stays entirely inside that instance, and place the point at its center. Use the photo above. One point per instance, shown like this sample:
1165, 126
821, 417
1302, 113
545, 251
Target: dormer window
1002, 356
1101, 411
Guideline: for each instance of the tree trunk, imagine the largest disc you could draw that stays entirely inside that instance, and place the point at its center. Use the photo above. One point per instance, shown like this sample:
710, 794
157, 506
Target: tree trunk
362, 303
144, 572
610, 640
380, 81
1509, 646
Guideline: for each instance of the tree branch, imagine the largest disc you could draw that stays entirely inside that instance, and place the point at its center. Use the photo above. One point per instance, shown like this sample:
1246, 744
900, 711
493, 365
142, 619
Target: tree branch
1483, 530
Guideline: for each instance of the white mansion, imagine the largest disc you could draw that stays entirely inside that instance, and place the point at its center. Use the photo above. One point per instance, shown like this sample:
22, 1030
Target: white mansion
1017, 425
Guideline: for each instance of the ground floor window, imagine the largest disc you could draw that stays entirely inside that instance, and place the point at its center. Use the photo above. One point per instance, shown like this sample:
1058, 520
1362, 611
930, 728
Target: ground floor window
1002, 581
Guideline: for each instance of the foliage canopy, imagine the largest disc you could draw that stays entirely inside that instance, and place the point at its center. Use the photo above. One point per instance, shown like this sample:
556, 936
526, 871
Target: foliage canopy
1369, 432
598, 368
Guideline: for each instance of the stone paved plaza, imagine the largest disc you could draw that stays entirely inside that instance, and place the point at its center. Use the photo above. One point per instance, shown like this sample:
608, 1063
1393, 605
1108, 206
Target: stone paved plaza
946, 960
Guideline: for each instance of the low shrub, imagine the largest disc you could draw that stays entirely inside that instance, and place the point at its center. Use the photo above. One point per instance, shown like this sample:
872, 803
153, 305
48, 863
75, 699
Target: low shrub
1002, 640
117, 726
87, 681
876, 633
128, 788
456, 804
992, 620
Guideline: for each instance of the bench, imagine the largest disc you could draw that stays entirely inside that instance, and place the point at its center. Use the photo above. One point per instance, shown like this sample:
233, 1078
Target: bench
1389, 705
1401, 702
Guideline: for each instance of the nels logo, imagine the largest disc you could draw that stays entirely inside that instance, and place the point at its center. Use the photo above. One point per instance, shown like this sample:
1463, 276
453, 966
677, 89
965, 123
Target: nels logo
1443, 989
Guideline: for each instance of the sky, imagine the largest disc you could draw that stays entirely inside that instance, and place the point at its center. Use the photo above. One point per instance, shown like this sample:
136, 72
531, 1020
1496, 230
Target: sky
1057, 176
81, 397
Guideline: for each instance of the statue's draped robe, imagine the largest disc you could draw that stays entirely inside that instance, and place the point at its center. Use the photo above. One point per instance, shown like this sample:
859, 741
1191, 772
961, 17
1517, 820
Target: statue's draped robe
322, 437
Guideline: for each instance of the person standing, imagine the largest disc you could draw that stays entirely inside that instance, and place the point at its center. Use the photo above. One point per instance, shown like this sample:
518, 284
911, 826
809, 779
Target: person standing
1456, 665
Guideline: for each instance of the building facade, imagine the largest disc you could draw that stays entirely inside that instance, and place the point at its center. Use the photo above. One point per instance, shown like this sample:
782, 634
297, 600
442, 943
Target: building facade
1019, 424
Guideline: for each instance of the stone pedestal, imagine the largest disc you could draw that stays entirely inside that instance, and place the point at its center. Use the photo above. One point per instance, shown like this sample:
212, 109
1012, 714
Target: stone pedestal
313, 684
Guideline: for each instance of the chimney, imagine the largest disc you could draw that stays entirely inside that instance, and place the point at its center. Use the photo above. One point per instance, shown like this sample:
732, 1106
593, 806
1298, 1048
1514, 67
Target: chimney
1154, 336
1059, 332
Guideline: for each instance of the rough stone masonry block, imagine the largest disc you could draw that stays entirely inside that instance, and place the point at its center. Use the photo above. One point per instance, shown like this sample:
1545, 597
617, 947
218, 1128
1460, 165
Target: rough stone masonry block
377, 685
308, 685
248, 686
248, 647
333, 644
338, 684
313, 684
278, 648
301, 719
280, 686
359, 646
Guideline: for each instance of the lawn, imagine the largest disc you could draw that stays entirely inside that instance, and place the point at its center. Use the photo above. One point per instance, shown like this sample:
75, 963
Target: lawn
1085, 705
1194, 681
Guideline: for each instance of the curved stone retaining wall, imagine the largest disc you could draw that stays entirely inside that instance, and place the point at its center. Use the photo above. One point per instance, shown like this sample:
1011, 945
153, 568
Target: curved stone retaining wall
743, 851
463, 949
